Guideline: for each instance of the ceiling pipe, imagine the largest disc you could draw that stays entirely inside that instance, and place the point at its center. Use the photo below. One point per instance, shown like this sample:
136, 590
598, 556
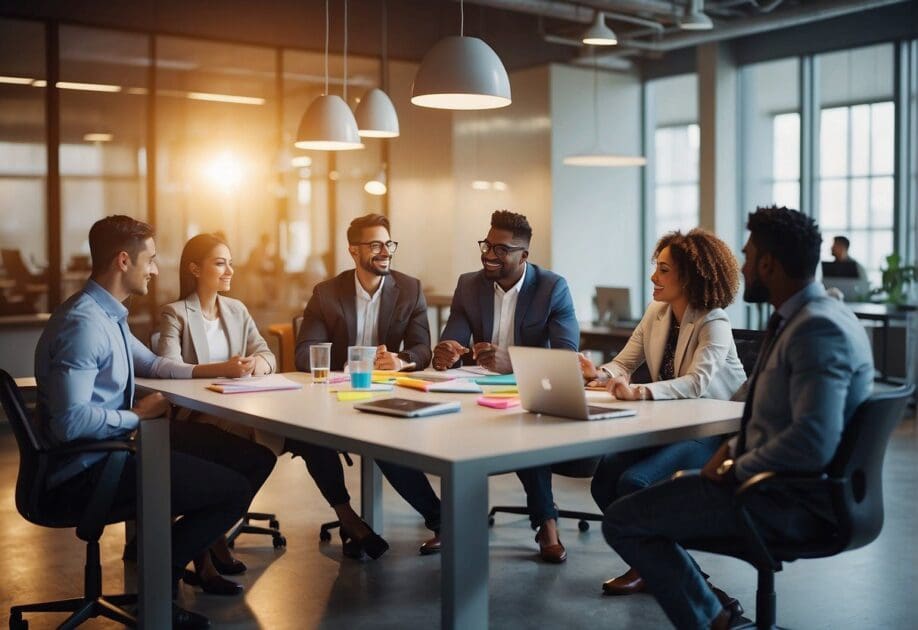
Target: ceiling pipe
583, 13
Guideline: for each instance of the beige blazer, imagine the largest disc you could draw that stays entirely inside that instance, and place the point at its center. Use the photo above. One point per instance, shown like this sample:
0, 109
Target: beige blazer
182, 338
706, 363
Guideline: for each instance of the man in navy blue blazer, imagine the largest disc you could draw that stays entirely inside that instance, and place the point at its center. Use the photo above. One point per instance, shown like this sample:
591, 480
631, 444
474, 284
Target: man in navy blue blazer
512, 302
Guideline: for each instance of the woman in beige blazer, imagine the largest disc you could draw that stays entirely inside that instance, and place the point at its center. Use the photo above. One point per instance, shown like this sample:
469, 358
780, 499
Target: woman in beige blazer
217, 334
686, 340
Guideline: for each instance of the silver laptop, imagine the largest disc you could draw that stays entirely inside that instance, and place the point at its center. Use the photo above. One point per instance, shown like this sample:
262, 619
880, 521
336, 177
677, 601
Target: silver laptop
550, 382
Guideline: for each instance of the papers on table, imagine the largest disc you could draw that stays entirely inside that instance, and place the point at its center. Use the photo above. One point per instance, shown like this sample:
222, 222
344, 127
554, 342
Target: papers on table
267, 383
346, 387
458, 386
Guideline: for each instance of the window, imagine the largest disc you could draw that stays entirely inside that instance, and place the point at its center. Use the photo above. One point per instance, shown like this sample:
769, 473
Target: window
676, 181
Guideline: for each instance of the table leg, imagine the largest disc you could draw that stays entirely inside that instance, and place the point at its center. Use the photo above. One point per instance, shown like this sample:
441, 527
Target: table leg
465, 549
371, 494
154, 531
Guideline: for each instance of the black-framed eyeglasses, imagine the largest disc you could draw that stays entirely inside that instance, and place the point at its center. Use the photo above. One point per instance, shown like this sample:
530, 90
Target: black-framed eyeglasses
501, 251
377, 246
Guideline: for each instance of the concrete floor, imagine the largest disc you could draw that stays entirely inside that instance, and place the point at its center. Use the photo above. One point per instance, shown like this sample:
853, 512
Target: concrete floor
309, 585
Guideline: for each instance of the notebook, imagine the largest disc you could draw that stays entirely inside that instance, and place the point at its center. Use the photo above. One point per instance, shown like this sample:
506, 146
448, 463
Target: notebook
267, 383
458, 386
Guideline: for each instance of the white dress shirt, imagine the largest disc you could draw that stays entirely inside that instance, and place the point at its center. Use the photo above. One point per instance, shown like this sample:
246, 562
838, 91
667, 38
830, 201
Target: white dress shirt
505, 312
217, 342
367, 314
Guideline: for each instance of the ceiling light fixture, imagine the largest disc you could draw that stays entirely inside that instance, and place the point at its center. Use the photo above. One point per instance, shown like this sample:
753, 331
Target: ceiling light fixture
595, 155
694, 18
376, 117
461, 73
98, 137
599, 34
329, 124
17, 80
377, 186
226, 98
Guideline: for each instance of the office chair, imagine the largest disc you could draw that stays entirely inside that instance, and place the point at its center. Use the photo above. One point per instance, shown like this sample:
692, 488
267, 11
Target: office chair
854, 480
36, 461
747, 343
244, 526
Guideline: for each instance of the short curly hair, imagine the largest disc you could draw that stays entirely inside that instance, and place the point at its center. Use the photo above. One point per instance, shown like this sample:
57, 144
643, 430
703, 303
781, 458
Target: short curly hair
707, 267
790, 236
512, 222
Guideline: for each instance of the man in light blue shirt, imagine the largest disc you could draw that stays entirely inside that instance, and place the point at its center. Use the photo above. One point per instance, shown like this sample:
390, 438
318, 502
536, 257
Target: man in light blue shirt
86, 361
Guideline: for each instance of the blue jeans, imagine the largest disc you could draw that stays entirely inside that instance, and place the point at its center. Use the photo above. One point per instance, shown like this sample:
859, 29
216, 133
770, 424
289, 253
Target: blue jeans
620, 474
539, 499
645, 528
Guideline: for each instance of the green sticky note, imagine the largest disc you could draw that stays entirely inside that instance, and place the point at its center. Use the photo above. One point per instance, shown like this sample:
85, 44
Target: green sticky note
497, 379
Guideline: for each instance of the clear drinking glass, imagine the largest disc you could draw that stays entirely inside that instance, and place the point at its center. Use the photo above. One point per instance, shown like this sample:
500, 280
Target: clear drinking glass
320, 361
360, 364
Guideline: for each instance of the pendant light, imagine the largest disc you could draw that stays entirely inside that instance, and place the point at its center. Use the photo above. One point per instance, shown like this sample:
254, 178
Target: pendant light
695, 19
599, 34
329, 124
376, 117
377, 186
595, 155
461, 73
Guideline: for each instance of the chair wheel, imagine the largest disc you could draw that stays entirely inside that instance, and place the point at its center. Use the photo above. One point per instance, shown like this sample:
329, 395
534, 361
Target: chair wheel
583, 526
274, 523
490, 521
279, 541
324, 535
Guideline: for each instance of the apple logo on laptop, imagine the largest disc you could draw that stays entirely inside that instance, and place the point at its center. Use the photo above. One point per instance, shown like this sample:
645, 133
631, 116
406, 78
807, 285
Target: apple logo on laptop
546, 384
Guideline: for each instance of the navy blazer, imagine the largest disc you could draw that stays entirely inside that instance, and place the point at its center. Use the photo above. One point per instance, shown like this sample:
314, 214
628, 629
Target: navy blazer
544, 311
331, 315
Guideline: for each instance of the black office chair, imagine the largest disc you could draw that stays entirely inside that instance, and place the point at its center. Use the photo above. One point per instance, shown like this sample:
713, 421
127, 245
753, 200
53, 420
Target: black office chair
36, 460
854, 480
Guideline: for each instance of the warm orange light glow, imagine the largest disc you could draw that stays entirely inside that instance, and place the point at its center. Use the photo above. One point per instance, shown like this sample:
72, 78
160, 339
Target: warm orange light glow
225, 172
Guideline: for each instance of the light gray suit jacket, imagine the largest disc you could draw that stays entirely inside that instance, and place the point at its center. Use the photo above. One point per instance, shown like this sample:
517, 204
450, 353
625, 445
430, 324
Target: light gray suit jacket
819, 370
182, 337
706, 363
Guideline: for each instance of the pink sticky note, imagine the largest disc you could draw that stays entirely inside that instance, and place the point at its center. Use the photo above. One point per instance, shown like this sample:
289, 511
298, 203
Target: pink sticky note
498, 403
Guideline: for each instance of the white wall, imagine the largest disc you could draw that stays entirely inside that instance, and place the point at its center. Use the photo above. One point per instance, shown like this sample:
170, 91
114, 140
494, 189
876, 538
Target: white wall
595, 211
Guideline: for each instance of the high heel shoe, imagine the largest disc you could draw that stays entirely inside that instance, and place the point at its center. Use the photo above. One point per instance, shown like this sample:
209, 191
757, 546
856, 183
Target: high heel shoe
216, 585
227, 568
372, 544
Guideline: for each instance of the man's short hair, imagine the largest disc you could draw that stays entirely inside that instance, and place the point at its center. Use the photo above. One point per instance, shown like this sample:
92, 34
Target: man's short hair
789, 235
512, 222
843, 240
112, 235
358, 225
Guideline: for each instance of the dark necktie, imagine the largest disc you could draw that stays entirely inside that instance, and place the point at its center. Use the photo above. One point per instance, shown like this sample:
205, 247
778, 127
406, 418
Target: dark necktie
771, 333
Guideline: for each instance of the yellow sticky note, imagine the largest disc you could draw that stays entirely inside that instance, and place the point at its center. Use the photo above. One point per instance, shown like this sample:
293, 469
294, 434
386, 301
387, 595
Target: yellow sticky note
347, 396
503, 390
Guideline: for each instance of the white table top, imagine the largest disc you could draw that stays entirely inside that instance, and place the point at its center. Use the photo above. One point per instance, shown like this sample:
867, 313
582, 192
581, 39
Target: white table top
497, 440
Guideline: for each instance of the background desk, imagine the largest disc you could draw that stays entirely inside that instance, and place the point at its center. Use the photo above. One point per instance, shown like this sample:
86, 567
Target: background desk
606, 339
462, 448
895, 339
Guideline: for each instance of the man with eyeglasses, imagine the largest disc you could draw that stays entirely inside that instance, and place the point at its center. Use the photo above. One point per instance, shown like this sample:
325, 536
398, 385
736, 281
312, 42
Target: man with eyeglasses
512, 302
371, 305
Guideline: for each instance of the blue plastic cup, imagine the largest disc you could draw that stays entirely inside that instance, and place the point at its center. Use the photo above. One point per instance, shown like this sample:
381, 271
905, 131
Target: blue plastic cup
360, 361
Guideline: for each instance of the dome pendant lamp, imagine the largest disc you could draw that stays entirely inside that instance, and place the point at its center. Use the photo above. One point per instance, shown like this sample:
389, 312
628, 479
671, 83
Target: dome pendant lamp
376, 117
461, 73
329, 124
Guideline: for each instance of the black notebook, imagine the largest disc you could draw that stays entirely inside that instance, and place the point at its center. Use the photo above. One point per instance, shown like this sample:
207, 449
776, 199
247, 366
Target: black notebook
407, 407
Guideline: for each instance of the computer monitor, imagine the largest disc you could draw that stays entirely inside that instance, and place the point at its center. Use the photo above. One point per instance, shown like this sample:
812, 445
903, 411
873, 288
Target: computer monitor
843, 269
613, 304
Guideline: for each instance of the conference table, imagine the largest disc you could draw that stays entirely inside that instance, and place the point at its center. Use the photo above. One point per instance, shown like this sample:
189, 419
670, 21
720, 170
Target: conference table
463, 449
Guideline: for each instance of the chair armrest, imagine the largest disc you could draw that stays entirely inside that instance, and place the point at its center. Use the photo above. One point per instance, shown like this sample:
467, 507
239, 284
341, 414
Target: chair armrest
770, 479
106, 446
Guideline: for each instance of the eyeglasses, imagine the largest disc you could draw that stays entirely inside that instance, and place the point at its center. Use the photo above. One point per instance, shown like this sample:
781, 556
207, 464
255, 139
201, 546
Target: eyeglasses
501, 251
377, 246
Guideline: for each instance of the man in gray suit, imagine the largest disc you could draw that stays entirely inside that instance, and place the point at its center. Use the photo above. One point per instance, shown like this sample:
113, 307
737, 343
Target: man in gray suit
814, 369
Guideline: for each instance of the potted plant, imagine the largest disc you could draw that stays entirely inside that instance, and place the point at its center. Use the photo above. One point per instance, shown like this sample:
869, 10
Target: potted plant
896, 280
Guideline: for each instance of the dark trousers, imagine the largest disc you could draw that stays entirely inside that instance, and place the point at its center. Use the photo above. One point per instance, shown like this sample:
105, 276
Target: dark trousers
208, 496
620, 474
645, 528
324, 465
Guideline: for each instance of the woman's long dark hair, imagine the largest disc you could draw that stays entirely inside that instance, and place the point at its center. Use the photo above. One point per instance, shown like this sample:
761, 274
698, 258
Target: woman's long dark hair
195, 251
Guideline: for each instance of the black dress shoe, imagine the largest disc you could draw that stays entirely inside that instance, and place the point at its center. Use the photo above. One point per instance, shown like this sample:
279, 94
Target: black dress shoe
186, 620
216, 585
372, 544
227, 568
431, 546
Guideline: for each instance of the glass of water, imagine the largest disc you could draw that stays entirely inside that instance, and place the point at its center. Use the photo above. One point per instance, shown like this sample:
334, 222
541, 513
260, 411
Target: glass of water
320, 361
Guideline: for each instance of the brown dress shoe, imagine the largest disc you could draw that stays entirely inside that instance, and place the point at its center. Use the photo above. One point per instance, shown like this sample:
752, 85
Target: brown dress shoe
628, 583
431, 547
554, 554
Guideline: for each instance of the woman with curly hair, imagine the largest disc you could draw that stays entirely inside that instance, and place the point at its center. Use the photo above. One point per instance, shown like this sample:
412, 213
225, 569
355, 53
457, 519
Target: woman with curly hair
686, 340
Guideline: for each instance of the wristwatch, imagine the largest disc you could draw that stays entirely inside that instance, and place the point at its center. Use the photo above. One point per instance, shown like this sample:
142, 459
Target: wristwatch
725, 467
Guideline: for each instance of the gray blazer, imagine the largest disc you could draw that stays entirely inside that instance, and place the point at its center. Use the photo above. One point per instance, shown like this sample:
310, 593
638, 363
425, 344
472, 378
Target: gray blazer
819, 370
182, 337
706, 363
